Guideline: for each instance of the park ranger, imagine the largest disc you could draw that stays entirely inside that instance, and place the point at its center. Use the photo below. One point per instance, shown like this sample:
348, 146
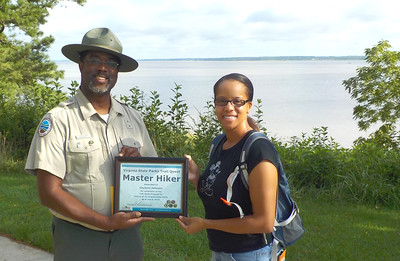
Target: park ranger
73, 151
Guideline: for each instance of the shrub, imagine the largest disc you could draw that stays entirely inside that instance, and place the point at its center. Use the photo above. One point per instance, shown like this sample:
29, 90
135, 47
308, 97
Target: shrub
372, 175
21, 115
167, 129
312, 161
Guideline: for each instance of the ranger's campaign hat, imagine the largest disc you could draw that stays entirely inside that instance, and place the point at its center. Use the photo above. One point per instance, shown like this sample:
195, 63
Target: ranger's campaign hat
102, 40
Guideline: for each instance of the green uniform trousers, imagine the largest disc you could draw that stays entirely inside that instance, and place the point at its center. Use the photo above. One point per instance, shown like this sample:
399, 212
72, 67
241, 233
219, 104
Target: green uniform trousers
73, 242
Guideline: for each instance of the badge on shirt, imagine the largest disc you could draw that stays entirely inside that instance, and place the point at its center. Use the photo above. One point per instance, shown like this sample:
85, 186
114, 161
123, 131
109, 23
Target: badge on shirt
45, 127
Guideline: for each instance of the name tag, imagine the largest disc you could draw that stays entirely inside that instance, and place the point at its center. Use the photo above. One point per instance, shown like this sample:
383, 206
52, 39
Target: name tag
86, 136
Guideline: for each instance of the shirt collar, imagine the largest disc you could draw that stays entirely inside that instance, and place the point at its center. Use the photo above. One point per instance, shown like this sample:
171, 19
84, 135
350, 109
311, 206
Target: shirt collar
88, 110
116, 107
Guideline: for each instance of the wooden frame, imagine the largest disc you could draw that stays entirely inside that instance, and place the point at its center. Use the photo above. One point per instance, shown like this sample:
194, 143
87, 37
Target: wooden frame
156, 187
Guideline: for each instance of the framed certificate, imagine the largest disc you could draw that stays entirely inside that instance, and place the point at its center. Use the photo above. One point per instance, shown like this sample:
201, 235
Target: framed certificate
156, 187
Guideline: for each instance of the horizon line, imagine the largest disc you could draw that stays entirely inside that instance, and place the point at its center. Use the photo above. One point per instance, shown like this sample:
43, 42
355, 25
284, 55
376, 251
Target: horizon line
260, 58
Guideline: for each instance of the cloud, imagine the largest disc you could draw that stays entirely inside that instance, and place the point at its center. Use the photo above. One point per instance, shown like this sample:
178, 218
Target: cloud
268, 16
228, 28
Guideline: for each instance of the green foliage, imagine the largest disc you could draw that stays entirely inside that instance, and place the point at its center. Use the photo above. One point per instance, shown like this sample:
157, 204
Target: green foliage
28, 79
367, 173
204, 130
312, 161
258, 116
371, 174
73, 88
177, 112
167, 129
376, 88
23, 116
5, 151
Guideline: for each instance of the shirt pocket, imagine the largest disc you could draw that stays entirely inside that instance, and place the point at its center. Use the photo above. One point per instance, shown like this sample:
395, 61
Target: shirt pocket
84, 158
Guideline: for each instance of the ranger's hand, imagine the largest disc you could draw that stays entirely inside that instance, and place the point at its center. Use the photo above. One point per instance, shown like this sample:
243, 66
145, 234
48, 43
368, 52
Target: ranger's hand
129, 152
122, 220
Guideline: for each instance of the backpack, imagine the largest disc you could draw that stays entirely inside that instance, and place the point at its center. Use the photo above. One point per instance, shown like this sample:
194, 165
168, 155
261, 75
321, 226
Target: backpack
288, 226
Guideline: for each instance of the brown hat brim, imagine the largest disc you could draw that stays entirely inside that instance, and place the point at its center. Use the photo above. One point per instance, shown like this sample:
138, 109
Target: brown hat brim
72, 52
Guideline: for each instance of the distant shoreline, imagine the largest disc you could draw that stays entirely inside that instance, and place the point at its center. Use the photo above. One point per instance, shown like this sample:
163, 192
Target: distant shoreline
264, 58
260, 58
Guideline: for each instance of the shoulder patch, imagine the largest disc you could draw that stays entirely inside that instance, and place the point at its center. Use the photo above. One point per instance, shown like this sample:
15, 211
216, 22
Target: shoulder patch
45, 127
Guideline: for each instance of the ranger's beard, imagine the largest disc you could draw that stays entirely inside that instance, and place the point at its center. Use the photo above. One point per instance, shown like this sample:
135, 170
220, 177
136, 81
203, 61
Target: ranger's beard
98, 90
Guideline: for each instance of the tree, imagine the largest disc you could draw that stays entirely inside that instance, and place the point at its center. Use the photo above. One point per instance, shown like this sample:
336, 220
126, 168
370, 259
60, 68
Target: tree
28, 78
376, 88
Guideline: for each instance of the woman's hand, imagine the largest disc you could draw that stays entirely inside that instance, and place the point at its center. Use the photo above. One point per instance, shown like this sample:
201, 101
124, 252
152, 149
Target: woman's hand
191, 225
194, 172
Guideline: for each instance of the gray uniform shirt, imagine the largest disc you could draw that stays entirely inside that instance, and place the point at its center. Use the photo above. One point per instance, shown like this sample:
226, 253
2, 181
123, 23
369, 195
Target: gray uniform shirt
75, 144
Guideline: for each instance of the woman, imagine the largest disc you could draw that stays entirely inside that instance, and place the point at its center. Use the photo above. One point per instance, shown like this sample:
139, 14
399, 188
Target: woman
232, 237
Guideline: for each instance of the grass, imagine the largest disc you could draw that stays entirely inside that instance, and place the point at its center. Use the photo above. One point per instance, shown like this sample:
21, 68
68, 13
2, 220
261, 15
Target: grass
21, 214
346, 231
335, 230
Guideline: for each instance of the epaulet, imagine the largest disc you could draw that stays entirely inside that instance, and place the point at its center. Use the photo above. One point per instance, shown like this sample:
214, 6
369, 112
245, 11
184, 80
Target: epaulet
120, 102
62, 105
67, 102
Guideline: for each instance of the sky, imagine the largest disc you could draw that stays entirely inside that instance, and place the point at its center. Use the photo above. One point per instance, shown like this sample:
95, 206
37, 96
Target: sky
163, 29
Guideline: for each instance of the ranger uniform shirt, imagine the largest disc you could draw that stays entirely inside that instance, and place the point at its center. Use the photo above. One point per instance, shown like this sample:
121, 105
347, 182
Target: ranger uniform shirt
75, 144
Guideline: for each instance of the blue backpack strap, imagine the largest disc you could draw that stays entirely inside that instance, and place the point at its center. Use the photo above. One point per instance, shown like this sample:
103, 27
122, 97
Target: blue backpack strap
244, 154
286, 208
215, 143
283, 197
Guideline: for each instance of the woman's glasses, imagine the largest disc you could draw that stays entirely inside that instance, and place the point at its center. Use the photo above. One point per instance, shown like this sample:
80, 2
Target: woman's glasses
236, 102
